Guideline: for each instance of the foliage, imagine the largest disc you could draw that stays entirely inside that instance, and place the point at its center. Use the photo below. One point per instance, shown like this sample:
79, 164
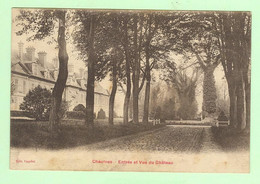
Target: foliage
38, 103
79, 107
41, 22
197, 38
222, 116
164, 96
63, 109
187, 110
158, 113
223, 105
101, 114
75, 115
186, 87
209, 92
169, 109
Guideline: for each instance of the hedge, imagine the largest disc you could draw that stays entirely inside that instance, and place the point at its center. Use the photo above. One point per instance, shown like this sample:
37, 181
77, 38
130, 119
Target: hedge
75, 115
17, 113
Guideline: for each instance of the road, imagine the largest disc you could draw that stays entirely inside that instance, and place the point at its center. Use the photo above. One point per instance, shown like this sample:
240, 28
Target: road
170, 138
188, 148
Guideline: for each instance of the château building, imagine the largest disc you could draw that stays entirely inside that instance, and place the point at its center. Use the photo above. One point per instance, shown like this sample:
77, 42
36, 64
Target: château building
29, 71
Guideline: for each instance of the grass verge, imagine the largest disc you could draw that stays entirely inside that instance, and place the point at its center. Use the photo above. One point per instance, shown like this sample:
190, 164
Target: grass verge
230, 139
31, 135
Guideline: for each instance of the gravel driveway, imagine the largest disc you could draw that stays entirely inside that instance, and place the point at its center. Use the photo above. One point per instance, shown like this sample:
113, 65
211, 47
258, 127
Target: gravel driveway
172, 138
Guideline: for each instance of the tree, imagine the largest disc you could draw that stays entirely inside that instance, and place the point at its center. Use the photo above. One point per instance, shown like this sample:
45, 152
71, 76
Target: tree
100, 44
196, 37
156, 47
42, 24
186, 87
208, 64
38, 103
117, 58
85, 41
136, 66
129, 37
126, 47
234, 38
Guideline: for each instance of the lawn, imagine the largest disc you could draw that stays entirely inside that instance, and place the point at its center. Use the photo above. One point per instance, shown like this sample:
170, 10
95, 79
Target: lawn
72, 133
231, 140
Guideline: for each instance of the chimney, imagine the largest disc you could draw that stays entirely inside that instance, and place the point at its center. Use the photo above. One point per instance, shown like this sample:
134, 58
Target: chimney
30, 53
71, 68
42, 58
20, 52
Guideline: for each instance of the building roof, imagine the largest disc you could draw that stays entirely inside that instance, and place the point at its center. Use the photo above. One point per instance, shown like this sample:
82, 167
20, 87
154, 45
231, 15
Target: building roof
24, 66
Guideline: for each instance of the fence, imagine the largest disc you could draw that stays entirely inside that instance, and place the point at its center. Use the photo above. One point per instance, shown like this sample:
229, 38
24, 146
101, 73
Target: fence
156, 121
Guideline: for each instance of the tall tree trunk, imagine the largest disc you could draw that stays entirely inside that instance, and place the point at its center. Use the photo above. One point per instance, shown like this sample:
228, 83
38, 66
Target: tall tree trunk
148, 80
113, 94
60, 84
128, 91
241, 104
147, 98
248, 111
91, 76
233, 106
247, 82
128, 76
209, 90
135, 77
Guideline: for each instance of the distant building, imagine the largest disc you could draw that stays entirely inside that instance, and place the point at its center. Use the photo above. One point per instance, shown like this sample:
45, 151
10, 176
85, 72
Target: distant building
29, 71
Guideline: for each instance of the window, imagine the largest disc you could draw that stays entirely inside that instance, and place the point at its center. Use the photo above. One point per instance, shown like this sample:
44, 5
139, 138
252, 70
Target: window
16, 84
24, 86
19, 86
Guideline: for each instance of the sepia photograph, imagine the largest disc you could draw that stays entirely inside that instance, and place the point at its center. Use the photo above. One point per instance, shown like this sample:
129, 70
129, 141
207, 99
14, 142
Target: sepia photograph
130, 90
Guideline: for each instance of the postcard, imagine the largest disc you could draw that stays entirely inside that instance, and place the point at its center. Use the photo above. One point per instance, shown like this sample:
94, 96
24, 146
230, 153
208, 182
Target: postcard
130, 90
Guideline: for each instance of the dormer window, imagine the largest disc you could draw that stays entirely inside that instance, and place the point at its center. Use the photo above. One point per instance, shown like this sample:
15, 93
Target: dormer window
46, 74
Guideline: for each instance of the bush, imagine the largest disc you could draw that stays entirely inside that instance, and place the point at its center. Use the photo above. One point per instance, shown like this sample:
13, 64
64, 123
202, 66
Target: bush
101, 114
63, 109
75, 115
222, 116
38, 103
158, 113
21, 114
187, 110
79, 107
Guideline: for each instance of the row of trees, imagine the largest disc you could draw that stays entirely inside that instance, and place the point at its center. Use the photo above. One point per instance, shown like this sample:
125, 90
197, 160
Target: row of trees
129, 45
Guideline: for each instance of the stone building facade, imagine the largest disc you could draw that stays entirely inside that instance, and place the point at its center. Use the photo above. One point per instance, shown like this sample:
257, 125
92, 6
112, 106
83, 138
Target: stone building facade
29, 71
